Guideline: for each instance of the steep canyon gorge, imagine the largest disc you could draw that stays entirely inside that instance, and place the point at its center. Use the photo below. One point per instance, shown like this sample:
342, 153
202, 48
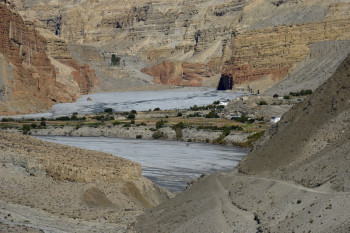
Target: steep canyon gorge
188, 43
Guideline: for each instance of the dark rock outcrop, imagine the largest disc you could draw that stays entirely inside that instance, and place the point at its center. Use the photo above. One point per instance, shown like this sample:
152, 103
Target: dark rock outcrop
225, 83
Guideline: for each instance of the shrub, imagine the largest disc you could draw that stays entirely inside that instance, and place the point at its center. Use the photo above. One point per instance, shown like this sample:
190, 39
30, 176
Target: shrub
178, 132
127, 125
286, 97
115, 61
305, 92
43, 123
194, 115
180, 125
133, 112
156, 109
138, 136
131, 116
216, 102
195, 108
117, 123
158, 135
275, 96
78, 125
160, 124
207, 140
26, 129
212, 114
260, 119
179, 114
142, 124
33, 125
262, 102
108, 110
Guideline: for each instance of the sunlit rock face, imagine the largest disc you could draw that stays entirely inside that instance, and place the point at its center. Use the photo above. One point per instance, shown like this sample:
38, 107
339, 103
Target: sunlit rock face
31, 77
188, 42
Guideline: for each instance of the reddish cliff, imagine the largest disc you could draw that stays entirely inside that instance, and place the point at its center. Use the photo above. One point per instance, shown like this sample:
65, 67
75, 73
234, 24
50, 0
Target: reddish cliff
32, 84
179, 73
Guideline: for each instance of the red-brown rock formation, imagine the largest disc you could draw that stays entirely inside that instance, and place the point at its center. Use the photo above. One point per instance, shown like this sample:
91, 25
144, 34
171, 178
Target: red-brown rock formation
179, 73
32, 86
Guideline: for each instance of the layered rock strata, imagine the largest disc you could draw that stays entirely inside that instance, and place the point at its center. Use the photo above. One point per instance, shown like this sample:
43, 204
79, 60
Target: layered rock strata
32, 80
31, 83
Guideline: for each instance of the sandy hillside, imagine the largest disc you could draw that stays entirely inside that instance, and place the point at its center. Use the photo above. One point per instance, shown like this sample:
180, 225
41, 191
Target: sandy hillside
296, 179
54, 188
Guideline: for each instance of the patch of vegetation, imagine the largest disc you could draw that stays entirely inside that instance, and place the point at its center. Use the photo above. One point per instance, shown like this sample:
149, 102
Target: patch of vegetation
225, 132
262, 102
195, 108
286, 97
301, 93
131, 116
251, 139
103, 118
180, 125
108, 110
117, 123
210, 127
95, 124
115, 61
216, 102
142, 124
197, 114
7, 119
160, 124
178, 133
179, 114
275, 96
128, 124
138, 136
26, 129
158, 135
212, 114
156, 109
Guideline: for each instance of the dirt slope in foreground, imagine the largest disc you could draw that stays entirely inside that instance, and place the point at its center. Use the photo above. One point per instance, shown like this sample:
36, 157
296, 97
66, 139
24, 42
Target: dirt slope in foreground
54, 188
296, 179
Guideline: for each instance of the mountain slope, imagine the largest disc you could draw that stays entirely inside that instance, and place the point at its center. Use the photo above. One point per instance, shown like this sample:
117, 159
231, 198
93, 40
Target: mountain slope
256, 42
295, 180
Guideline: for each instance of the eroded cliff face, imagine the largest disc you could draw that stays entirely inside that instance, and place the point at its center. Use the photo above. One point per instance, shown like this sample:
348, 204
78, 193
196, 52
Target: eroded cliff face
28, 78
255, 42
36, 72
273, 52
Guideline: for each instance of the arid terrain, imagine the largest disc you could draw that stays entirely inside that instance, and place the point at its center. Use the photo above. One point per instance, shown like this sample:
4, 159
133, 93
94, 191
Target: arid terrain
295, 180
291, 55
262, 46
55, 188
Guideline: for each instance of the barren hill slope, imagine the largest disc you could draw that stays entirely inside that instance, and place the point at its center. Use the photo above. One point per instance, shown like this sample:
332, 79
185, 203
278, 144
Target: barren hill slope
47, 187
295, 180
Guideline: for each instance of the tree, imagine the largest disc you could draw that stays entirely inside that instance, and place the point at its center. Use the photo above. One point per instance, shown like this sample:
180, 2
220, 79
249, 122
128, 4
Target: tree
115, 60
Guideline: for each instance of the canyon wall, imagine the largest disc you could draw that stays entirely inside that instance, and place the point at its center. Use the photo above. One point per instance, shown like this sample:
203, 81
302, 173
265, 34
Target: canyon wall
30, 82
254, 42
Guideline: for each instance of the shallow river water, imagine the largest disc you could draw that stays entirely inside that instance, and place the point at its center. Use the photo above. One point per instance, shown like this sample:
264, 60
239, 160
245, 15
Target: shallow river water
179, 98
169, 164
